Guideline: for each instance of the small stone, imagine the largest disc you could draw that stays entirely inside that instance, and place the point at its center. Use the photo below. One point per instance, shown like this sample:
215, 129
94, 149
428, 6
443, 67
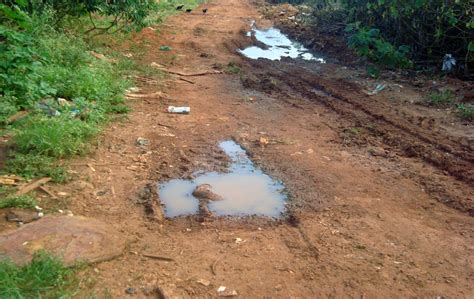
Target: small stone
204, 282
131, 291
142, 141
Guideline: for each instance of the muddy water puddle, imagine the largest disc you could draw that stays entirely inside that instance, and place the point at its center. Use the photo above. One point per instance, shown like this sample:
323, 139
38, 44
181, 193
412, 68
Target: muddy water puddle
277, 45
245, 190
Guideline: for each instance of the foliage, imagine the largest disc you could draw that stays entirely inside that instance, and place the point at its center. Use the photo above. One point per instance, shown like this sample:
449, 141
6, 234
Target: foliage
39, 66
466, 111
370, 44
23, 201
432, 28
44, 277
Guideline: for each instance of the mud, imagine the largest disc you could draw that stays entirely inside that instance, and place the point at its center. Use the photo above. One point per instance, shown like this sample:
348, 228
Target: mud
242, 191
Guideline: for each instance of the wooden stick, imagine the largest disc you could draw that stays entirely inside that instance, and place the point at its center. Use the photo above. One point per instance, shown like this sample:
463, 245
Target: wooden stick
192, 74
214, 266
186, 80
32, 186
17, 116
157, 257
46, 190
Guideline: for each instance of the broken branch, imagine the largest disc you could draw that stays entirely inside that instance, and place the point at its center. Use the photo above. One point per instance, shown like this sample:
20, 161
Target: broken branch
32, 186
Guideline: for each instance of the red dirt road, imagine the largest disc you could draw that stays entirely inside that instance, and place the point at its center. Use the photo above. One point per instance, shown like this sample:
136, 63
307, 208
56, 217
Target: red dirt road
379, 205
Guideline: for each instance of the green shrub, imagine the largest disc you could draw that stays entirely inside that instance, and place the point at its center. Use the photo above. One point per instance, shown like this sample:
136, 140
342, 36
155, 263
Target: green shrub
432, 28
370, 44
44, 277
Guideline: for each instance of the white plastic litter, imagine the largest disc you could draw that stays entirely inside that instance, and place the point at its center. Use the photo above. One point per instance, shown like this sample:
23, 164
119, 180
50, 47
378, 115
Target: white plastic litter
179, 110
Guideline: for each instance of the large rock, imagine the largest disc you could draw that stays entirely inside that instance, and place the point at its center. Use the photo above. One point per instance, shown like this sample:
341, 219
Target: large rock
72, 239
204, 192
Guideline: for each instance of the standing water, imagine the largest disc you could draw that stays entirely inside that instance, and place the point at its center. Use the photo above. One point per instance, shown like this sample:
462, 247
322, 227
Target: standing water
245, 190
278, 46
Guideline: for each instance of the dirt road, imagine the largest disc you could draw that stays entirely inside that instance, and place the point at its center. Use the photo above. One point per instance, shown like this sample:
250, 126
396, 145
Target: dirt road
379, 205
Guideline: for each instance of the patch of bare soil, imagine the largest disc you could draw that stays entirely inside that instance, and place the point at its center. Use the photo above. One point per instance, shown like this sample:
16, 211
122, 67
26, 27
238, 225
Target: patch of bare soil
380, 194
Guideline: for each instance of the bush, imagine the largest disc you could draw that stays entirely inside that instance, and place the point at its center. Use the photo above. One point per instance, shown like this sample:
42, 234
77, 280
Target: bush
432, 28
370, 44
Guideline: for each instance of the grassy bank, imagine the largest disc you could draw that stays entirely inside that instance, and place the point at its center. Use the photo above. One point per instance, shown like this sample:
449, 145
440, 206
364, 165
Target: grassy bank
57, 92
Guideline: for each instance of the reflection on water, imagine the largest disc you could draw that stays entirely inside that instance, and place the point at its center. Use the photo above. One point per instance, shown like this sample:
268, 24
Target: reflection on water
279, 45
245, 190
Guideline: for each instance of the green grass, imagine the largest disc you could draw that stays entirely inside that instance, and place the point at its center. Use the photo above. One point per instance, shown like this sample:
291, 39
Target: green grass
57, 65
466, 111
23, 201
233, 68
44, 277
440, 98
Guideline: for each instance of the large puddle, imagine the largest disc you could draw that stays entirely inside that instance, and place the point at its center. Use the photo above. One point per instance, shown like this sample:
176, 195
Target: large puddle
245, 190
278, 45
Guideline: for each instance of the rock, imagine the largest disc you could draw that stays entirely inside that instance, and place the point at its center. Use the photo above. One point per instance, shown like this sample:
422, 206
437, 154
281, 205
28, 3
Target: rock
204, 282
204, 209
24, 216
72, 239
142, 141
131, 291
377, 152
204, 192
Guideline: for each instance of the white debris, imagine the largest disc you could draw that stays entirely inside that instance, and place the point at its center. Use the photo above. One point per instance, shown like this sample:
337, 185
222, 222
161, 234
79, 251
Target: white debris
448, 63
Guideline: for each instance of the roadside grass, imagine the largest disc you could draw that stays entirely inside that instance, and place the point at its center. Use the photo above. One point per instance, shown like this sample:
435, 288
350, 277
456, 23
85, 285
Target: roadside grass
23, 201
447, 99
68, 95
466, 111
440, 98
44, 277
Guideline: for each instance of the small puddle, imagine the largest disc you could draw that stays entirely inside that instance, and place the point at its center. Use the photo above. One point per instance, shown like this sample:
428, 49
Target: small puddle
245, 190
278, 46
